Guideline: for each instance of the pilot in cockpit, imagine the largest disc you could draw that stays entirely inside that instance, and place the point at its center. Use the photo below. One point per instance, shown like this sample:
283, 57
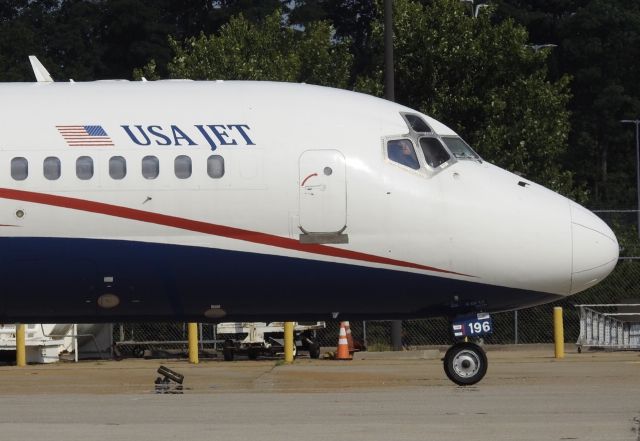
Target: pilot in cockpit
402, 152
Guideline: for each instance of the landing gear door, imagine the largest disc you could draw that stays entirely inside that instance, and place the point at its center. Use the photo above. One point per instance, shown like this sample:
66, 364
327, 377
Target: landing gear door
323, 197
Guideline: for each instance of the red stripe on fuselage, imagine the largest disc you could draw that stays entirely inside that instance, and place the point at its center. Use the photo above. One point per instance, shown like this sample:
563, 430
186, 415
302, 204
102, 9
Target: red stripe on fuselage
204, 227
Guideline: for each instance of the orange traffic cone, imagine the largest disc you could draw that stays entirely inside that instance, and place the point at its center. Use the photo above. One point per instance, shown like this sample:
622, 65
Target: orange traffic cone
343, 345
352, 349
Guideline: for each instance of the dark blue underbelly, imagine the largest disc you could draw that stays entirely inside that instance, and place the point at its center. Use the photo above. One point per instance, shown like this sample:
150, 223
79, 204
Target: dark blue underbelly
59, 280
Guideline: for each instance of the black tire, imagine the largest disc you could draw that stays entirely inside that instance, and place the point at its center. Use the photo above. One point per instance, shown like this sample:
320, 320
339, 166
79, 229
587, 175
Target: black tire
465, 363
228, 354
228, 350
314, 350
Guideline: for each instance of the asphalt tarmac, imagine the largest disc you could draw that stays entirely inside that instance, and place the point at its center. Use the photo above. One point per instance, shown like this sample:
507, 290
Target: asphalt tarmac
526, 395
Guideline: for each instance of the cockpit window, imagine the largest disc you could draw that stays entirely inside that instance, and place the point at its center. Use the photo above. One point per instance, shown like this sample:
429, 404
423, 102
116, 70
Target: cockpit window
417, 124
402, 152
434, 152
459, 148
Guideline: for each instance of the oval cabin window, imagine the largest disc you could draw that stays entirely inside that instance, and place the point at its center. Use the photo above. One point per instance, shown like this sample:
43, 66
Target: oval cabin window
51, 168
215, 166
182, 167
150, 167
117, 167
19, 168
84, 168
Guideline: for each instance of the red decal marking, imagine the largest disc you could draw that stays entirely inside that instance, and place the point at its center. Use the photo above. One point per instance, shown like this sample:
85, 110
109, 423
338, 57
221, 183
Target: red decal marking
307, 178
206, 228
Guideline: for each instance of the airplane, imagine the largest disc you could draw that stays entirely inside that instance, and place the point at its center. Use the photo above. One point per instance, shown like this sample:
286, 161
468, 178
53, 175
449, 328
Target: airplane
206, 201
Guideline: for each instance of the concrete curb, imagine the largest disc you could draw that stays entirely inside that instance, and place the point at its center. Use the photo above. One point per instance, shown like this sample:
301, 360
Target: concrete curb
428, 354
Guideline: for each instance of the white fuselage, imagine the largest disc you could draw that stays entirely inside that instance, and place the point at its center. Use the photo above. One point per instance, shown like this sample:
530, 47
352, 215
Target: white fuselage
307, 179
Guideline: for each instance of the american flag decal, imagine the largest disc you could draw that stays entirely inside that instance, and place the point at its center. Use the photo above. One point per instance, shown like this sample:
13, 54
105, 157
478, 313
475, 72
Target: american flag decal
85, 136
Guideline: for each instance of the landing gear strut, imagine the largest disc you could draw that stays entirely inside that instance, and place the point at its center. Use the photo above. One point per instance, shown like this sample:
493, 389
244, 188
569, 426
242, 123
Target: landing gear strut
465, 363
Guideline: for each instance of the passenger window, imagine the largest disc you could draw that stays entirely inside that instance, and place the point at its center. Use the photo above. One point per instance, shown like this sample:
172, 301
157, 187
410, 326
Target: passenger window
150, 167
51, 168
215, 166
117, 167
19, 168
417, 124
402, 152
434, 152
182, 166
84, 168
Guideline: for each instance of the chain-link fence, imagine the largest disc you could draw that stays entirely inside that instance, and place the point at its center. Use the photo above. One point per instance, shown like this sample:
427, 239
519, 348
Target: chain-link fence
170, 339
532, 325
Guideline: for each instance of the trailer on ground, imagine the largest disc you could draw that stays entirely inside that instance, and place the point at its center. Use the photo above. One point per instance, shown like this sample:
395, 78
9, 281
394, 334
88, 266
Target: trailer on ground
609, 326
259, 338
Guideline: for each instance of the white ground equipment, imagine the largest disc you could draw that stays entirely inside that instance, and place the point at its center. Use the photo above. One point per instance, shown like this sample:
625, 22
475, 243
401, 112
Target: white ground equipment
263, 338
617, 328
46, 342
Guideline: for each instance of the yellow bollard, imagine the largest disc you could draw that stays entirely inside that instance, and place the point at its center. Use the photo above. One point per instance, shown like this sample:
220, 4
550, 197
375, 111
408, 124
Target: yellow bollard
558, 331
21, 350
288, 342
193, 342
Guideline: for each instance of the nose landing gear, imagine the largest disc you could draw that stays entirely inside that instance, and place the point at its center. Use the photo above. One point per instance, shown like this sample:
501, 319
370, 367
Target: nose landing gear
465, 363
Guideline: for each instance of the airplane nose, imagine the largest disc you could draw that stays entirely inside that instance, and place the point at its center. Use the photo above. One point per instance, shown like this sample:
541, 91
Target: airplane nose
595, 249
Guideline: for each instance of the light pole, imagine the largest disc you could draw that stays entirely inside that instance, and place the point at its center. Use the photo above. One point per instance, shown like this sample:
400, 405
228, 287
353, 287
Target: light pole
470, 3
389, 88
389, 93
637, 123
478, 7
476, 10
537, 47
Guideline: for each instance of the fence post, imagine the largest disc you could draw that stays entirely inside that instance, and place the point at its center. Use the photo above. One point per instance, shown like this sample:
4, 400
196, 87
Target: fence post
396, 335
364, 334
75, 342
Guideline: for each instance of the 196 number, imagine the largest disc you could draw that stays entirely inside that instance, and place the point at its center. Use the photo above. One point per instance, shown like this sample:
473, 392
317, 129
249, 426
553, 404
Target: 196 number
479, 327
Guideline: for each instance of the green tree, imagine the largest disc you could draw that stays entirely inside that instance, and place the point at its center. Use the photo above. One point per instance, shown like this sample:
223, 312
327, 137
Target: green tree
352, 21
600, 46
485, 81
95, 39
22, 25
268, 50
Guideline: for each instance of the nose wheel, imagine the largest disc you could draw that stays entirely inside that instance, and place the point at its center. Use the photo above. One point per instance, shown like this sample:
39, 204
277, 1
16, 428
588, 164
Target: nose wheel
465, 363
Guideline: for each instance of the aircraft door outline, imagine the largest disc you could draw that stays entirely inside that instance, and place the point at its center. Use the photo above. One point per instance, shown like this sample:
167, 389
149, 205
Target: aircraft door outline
322, 196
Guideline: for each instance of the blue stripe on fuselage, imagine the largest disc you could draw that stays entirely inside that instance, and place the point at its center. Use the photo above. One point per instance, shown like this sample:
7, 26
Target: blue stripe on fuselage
60, 279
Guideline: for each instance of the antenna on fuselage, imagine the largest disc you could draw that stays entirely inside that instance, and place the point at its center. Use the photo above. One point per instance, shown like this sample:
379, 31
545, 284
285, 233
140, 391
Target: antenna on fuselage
41, 72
